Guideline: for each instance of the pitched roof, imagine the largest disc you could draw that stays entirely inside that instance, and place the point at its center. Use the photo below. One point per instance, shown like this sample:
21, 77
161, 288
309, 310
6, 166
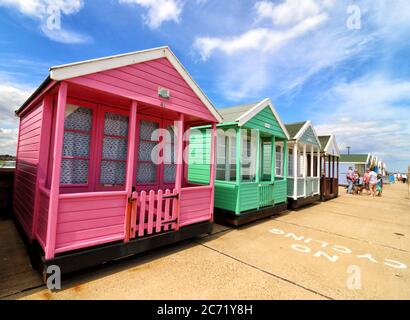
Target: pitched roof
76, 69
294, 128
324, 141
243, 113
354, 158
231, 114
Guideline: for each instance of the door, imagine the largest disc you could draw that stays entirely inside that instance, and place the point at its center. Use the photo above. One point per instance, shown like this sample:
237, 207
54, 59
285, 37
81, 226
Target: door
156, 154
265, 187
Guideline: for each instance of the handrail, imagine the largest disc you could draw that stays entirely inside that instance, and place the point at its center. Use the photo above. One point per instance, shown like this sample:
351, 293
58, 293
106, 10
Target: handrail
92, 194
196, 188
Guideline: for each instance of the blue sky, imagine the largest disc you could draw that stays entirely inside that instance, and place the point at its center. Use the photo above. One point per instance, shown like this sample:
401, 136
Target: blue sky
351, 80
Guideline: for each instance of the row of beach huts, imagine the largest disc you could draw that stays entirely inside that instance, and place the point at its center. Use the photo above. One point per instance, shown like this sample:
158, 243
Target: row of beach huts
124, 154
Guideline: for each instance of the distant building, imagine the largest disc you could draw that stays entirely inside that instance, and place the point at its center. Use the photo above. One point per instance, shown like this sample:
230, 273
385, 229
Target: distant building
357, 161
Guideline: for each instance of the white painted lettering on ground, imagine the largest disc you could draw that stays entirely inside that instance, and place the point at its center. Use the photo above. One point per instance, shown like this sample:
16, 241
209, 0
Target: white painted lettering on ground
303, 248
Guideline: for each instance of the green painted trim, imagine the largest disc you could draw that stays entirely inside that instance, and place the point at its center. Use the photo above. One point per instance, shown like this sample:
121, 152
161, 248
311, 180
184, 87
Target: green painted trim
273, 164
258, 158
238, 166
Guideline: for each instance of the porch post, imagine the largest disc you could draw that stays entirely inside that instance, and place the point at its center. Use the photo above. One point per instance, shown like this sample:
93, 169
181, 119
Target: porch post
258, 158
131, 146
130, 166
295, 170
213, 169
273, 161
43, 164
238, 155
328, 159
324, 173
318, 169
285, 160
312, 156
180, 165
304, 170
56, 171
337, 168
238, 166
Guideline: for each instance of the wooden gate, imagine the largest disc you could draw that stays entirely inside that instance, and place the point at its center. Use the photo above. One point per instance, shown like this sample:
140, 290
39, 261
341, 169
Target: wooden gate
152, 212
265, 195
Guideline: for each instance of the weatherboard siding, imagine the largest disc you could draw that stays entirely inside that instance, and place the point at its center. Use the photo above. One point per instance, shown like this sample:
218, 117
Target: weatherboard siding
226, 195
280, 191
308, 137
87, 221
141, 81
26, 166
266, 122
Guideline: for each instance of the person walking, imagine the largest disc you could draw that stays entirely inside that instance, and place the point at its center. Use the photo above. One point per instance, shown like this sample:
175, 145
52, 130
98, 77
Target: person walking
372, 182
379, 185
349, 178
404, 177
366, 181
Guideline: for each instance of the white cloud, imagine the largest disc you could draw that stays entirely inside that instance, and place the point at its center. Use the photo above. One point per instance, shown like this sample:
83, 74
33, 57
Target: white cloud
290, 11
262, 39
44, 11
290, 42
370, 114
159, 11
11, 97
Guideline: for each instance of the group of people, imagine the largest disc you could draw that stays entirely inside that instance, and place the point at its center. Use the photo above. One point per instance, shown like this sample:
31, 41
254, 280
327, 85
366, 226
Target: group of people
370, 181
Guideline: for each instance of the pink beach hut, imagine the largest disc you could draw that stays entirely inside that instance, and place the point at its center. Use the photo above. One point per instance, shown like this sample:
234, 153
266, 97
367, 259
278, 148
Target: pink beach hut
89, 185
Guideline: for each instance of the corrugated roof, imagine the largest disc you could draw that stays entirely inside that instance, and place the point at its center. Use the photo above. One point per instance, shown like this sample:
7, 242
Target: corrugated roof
354, 158
232, 113
323, 141
294, 128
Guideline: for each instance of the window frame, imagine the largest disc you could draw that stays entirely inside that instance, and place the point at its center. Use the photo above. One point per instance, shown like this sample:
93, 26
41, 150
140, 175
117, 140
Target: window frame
160, 168
251, 141
99, 147
229, 136
282, 171
89, 186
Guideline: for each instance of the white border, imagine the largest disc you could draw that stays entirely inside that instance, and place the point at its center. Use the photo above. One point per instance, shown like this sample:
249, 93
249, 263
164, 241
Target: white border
302, 130
245, 117
333, 140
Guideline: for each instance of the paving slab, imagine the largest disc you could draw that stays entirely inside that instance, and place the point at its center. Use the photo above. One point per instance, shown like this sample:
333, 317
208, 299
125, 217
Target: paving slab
16, 273
352, 247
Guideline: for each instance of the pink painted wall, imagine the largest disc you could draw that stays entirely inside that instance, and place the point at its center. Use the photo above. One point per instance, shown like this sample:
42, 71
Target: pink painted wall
41, 230
26, 167
195, 205
89, 220
141, 82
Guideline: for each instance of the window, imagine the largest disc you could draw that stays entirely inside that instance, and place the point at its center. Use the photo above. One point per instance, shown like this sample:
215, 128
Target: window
114, 150
76, 145
226, 155
157, 153
266, 160
147, 170
279, 160
248, 158
290, 162
300, 164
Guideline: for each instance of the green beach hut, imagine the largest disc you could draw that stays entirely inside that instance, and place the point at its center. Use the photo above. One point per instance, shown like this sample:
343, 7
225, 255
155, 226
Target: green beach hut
303, 164
251, 168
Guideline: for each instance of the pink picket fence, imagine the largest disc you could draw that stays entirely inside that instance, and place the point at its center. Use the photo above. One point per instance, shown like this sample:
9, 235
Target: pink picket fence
153, 212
